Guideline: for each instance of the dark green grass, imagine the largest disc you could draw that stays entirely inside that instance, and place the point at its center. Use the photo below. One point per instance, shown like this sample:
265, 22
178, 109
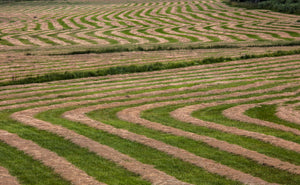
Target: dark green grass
102, 169
175, 167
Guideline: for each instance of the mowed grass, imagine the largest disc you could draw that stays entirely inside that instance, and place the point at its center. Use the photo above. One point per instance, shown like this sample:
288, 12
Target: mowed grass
211, 19
98, 167
268, 113
175, 167
110, 173
242, 64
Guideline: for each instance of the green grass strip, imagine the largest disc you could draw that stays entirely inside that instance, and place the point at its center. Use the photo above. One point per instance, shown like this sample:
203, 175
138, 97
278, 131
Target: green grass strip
170, 39
98, 167
82, 19
161, 115
63, 24
175, 167
127, 32
212, 38
44, 40
215, 114
50, 26
125, 38
62, 39
24, 41
76, 24
268, 113
37, 26
5, 42
193, 39
111, 41
27, 170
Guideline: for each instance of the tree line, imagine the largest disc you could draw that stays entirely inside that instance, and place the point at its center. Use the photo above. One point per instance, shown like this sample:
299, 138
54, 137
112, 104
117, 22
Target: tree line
285, 6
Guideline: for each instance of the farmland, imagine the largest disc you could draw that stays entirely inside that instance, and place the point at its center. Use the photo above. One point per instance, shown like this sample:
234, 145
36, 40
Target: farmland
159, 92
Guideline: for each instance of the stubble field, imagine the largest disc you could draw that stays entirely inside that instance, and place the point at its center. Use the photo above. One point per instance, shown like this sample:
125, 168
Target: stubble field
216, 100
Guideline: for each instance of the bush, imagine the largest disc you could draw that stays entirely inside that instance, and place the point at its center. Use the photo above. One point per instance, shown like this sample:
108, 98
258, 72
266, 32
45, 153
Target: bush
285, 6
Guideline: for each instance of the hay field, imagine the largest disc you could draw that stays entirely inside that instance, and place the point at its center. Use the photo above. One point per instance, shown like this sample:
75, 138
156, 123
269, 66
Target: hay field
196, 92
89, 23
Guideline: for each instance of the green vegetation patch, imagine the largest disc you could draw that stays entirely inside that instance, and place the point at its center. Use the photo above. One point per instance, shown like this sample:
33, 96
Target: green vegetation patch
98, 167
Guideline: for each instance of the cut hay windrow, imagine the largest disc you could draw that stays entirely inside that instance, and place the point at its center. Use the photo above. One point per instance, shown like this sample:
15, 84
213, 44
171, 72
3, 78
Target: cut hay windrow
237, 113
288, 113
6, 178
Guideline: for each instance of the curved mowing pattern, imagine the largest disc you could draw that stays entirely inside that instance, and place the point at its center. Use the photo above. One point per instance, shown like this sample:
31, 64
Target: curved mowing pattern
90, 23
192, 125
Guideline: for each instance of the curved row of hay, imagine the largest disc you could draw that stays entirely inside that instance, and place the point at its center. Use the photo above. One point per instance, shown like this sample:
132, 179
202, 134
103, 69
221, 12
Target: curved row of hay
88, 23
194, 125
